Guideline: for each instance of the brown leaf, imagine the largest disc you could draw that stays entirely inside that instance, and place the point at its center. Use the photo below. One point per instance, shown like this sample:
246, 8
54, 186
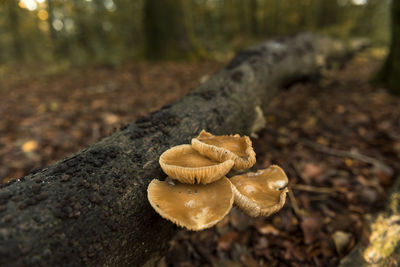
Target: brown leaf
311, 171
266, 228
225, 242
30, 146
223, 226
248, 261
384, 176
262, 243
311, 227
341, 240
239, 220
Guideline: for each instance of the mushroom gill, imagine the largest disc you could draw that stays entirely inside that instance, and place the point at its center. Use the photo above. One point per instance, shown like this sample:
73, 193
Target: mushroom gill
226, 147
193, 206
260, 193
189, 166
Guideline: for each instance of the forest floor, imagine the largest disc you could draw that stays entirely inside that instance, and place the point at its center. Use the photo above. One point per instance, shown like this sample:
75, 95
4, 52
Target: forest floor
338, 140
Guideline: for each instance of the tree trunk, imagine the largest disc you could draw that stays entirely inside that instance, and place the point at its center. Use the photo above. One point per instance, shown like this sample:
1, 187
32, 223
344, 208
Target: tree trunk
168, 31
91, 208
254, 17
389, 75
277, 14
14, 24
53, 34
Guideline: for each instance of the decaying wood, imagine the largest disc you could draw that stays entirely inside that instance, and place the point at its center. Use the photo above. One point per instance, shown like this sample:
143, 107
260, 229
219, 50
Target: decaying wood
380, 244
91, 208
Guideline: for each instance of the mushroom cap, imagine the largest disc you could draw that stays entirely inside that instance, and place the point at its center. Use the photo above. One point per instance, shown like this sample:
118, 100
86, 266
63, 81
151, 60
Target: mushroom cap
193, 206
225, 147
260, 193
189, 166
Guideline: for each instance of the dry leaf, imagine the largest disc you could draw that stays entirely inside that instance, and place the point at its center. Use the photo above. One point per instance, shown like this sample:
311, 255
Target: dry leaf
341, 240
311, 227
30, 146
225, 242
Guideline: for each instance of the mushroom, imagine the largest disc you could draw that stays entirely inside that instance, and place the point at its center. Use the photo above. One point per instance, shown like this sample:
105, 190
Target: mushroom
260, 193
189, 166
195, 207
226, 147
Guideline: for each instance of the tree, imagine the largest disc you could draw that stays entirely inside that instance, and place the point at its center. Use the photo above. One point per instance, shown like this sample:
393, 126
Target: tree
168, 31
14, 23
389, 75
253, 17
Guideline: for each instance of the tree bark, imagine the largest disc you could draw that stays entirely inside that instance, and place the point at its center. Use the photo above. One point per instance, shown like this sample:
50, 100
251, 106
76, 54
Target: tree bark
91, 208
389, 75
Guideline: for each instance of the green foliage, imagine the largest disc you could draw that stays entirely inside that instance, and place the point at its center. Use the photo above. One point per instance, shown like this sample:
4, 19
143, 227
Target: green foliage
110, 31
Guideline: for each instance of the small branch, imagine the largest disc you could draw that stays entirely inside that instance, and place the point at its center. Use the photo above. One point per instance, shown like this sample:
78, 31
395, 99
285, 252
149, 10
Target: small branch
299, 212
315, 189
344, 154
336, 152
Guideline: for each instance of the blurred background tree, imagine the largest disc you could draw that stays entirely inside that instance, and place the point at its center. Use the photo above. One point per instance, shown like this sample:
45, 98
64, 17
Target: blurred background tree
168, 31
111, 31
389, 75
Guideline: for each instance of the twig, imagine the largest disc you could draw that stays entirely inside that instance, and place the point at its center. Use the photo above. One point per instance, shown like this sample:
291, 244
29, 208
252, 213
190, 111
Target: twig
345, 154
299, 212
310, 188
336, 152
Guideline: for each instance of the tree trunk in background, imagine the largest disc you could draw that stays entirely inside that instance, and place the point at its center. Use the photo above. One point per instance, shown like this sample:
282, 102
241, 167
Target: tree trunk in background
241, 6
389, 75
168, 31
328, 13
14, 22
53, 33
276, 16
253, 17
83, 36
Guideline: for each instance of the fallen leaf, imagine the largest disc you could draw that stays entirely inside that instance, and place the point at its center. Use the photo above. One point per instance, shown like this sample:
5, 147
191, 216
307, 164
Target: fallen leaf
266, 228
311, 171
239, 220
248, 261
110, 118
311, 227
348, 162
30, 146
341, 240
225, 242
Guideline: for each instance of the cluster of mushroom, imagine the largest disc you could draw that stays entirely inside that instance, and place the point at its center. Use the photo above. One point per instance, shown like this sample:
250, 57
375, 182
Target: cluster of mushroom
197, 194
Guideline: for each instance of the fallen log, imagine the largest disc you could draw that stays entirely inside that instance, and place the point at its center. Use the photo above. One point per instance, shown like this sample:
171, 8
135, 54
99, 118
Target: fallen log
91, 208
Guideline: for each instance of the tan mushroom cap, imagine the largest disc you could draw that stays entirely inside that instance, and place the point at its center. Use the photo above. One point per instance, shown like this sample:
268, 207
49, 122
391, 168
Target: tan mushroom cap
195, 207
225, 147
260, 193
189, 166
